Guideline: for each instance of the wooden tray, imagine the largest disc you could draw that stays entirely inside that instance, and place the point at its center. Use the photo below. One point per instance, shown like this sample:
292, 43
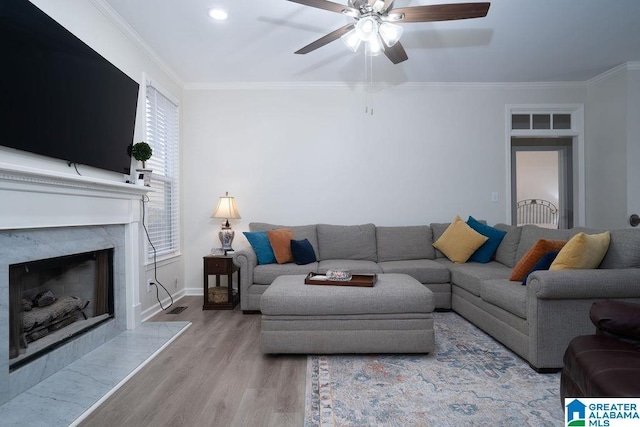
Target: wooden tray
362, 280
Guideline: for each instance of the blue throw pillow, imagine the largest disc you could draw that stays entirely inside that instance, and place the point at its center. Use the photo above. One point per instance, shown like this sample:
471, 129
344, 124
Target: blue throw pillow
302, 252
488, 248
543, 263
261, 246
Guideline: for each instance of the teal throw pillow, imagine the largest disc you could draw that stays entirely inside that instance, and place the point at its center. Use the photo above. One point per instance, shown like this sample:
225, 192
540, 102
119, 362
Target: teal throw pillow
543, 263
494, 237
261, 246
302, 252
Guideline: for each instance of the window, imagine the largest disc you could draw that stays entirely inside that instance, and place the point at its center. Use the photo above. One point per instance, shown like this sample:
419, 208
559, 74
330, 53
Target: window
162, 210
540, 121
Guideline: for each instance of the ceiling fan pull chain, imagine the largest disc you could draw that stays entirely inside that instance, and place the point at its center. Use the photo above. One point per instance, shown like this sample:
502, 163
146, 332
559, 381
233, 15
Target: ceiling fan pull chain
368, 84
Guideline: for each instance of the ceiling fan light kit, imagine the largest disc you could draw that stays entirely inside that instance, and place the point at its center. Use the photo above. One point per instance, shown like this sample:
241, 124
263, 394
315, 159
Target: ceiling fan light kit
352, 40
370, 31
390, 33
374, 23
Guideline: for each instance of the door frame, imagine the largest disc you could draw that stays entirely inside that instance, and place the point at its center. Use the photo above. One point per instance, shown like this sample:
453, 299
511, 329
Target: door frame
576, 133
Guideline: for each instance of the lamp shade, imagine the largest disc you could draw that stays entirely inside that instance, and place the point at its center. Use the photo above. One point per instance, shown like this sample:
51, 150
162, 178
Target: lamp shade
226, 208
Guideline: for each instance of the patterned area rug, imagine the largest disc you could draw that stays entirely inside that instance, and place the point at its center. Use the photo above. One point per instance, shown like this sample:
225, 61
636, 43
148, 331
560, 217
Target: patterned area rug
469, 380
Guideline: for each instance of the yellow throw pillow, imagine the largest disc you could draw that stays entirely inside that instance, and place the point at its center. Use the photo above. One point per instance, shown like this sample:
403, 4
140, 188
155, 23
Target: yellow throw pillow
582, 251
459, 241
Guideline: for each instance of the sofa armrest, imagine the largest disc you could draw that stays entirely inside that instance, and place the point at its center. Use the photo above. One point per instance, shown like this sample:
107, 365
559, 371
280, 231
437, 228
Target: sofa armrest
616, 317
596, 283
247, 260
558, 304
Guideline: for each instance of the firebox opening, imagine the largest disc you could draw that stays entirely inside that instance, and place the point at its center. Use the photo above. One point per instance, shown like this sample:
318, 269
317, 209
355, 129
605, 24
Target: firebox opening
52, 301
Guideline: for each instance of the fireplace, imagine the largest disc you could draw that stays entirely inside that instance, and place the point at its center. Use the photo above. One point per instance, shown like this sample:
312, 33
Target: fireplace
54, 300
46, 215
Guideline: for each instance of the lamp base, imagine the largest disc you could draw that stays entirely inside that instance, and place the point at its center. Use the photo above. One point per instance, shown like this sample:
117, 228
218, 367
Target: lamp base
226, 236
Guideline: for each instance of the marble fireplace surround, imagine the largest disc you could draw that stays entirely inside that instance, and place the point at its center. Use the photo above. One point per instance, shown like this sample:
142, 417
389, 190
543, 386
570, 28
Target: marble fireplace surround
47, 214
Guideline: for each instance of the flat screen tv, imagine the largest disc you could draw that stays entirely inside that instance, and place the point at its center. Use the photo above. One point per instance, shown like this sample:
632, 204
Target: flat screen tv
60, 98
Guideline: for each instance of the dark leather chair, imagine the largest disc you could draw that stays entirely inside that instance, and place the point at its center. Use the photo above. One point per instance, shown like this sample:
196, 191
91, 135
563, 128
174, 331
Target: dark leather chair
606, 364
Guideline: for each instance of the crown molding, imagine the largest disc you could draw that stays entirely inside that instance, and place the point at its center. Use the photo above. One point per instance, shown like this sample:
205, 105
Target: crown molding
374, 86
633, 66
133, 35
627, 66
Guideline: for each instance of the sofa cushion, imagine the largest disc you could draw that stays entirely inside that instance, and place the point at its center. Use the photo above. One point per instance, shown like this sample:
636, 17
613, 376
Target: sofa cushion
423, 270
532, 233
494, 236
533, 255
582, 251
302, 252
624, 250
355, 266
300, 232
506, 252
600, 365
459, 241
620, 318
402, 243
508, 295
281, 244
265, 274
259, 241
438, 228
392, 294
347, 242
468, 276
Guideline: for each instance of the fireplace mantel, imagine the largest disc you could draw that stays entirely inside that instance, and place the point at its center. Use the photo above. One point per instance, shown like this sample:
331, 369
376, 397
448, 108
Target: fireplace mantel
34, 198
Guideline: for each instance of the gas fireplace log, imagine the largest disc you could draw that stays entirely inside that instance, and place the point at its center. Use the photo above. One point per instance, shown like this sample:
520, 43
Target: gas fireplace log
40, 316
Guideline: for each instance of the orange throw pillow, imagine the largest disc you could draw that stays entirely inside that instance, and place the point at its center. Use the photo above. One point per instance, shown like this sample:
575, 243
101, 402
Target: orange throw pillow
533, 255
281, 244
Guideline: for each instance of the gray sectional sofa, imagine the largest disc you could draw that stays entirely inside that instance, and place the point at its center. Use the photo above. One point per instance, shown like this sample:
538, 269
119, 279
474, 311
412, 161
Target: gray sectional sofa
536, 321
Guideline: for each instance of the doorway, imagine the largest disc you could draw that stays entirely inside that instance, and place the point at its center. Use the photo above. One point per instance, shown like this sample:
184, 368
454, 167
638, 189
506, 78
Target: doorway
542, 181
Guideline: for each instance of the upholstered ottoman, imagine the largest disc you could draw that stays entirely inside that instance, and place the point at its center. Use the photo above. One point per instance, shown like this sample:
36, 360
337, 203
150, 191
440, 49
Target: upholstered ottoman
394, 316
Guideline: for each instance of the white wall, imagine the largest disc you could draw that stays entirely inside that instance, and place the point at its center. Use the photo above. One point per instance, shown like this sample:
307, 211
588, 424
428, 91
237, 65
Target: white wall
606, 151
295, 155
633, 141
537, 175
87, 21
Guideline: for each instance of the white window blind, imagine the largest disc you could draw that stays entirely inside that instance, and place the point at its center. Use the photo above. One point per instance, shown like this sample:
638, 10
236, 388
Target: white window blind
162, 216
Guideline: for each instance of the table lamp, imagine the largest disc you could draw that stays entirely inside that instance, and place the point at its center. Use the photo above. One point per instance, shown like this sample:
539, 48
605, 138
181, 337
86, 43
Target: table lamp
226, 209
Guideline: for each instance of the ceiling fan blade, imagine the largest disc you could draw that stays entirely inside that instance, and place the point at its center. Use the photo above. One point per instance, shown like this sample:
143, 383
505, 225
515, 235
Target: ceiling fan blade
387, 5
334, 35
439, 12
328, 5
396, 53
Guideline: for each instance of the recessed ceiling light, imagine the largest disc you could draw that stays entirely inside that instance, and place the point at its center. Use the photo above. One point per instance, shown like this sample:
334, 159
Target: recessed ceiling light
218, 14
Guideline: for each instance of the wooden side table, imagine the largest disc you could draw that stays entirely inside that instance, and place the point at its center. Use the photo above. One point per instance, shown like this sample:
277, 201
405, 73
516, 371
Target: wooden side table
220, 297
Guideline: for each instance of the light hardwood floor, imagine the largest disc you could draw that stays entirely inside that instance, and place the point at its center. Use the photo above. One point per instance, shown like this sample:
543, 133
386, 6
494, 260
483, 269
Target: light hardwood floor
212, 375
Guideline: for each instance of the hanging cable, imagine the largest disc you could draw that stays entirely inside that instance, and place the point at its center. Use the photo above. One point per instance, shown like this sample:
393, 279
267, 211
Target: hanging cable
155, 261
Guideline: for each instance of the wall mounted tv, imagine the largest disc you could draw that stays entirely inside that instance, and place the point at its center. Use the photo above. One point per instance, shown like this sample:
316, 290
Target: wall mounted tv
60, 98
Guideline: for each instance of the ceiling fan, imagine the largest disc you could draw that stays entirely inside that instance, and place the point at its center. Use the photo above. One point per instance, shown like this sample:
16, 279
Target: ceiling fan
375, 23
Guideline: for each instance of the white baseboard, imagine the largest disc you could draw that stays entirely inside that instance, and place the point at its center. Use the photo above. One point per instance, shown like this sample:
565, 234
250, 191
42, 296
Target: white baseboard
155, 309
193, 291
